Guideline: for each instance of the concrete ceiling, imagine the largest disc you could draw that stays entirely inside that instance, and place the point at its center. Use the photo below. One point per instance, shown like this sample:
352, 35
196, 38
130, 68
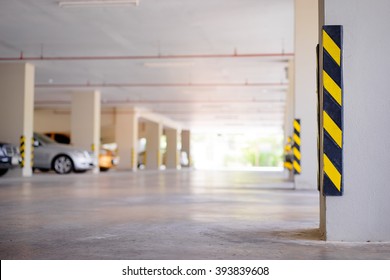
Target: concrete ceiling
117, 50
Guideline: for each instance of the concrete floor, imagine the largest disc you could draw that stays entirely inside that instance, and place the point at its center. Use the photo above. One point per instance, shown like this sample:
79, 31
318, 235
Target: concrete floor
165, 215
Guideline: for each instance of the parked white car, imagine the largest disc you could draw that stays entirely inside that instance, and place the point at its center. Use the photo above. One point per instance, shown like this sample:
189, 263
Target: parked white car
63, 159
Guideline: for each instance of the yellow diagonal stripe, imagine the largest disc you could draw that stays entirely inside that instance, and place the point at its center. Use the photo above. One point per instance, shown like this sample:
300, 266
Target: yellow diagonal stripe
332, 128
333, 174
331, 47
288, 165
297, 126
297, 140
297, 153
332, 87
297, 167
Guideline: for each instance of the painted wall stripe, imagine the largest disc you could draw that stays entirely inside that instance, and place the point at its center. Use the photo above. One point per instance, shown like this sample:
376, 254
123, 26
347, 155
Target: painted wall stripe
332, 172
288, 157
331, 86
334, 131
331, 47
288, 165
22, 149
297, 139
331, 140
297, 153
297, 167
297, 126
297, 147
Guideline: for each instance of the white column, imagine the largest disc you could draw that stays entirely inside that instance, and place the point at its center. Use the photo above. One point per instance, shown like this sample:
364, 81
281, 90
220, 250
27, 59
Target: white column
172, 156
17, 109
361, 214
153, 139
85, 122
306, 39
186, 144
289, 111
126, 135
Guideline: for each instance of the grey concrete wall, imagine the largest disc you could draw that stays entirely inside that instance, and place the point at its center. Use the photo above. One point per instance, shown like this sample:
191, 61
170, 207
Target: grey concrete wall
362, 213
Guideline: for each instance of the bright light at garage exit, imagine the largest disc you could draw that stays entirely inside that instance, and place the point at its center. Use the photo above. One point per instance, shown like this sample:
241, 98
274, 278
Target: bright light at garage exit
252, 149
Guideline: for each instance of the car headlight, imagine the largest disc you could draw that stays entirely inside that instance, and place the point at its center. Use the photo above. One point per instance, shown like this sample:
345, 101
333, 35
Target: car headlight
2, 152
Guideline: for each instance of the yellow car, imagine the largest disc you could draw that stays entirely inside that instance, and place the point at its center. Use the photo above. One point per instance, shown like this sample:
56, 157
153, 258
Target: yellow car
107, 159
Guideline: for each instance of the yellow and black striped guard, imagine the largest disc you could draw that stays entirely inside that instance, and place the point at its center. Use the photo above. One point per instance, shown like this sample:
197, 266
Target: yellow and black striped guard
22, 149
332, 111
297, 147
288, 162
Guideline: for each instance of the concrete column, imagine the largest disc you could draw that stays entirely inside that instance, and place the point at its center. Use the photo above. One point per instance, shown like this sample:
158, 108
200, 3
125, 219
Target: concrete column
17, 109
85, 122
306, 39
126, 135
186, 144
361, 214
172, 156
153, 140
289, 111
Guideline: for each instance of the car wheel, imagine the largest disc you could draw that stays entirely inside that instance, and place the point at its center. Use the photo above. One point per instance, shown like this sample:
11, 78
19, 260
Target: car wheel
104, 169
3, 171
62, 164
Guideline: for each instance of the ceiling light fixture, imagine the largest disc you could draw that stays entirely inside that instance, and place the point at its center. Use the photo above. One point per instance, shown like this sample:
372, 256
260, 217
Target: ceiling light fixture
97, 3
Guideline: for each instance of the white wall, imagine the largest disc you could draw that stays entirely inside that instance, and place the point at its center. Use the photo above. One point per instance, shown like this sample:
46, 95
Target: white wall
361, 214
58, 120
49, 120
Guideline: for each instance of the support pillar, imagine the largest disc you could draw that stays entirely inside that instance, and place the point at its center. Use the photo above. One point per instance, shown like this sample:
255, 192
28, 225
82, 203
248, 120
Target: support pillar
17, 109
153, 140
85, 122
289, 114
361, 213
172, 155
126, 135
306, 39
186, 144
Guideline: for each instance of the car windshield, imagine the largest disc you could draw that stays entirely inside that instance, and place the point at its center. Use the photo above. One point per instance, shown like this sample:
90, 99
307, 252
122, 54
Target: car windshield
43, 139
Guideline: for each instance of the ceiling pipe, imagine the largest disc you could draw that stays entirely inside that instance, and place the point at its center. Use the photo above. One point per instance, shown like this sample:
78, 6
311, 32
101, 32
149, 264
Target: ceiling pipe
220, 112
173, 101
129, 85
145, 57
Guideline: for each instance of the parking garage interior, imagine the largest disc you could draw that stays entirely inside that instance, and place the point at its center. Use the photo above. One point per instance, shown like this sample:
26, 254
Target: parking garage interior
143, 82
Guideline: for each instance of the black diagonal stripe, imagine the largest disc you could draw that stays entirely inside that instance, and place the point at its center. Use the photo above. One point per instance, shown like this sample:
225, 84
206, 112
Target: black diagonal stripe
333, 109
330, 189
332, 69
335, 32
333, 151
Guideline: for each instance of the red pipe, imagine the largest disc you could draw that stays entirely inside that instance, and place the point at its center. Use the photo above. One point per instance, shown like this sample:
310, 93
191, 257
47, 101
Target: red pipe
110, 85
144, 57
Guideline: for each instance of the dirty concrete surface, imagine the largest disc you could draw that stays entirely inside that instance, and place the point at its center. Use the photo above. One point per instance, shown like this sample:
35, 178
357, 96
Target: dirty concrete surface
183, 214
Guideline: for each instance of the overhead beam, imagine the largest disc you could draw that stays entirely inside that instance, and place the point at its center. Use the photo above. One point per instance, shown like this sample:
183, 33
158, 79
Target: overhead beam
160, 85
21, 57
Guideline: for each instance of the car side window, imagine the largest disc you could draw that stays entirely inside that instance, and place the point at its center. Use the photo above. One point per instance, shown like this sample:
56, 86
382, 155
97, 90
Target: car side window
60, 138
